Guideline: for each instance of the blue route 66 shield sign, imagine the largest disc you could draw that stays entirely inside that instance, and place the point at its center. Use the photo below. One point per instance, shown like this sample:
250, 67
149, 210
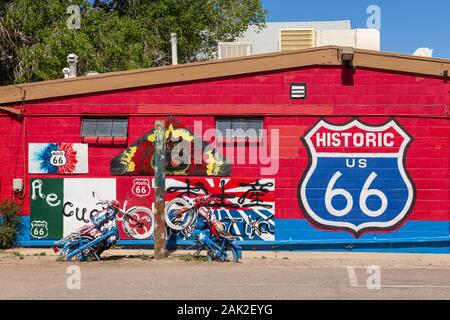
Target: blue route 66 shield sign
356, 179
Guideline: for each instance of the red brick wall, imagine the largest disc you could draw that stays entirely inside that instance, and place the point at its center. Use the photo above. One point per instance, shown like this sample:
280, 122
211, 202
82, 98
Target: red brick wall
420, 105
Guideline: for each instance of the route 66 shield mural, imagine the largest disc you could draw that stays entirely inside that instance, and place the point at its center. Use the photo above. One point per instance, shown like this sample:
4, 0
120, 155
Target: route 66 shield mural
356, 178
58, 158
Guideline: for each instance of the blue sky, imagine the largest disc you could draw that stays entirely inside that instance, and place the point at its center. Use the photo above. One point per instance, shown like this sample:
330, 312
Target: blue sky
405, 25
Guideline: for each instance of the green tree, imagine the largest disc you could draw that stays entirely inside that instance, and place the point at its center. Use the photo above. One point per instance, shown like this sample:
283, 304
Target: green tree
115, 35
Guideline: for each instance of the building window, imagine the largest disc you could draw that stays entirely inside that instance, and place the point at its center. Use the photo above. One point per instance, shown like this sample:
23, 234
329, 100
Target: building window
104, 127
240, 128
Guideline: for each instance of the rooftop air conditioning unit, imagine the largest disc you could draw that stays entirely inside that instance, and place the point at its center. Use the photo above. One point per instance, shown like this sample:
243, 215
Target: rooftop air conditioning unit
368, 39
424, 52
296, 39
228, 50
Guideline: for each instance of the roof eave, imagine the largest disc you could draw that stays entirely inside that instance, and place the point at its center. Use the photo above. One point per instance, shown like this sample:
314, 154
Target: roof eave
328, 56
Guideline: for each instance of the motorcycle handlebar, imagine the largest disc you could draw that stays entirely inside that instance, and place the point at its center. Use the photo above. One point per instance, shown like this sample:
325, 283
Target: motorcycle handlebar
129, 216
103, 202
214, 201
225, 201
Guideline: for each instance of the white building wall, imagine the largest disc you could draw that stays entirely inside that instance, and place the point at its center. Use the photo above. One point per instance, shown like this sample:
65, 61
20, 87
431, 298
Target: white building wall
267, 40
358, 38
337, 33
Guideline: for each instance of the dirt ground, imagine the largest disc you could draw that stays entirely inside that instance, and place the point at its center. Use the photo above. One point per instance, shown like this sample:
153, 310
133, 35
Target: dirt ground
134, 274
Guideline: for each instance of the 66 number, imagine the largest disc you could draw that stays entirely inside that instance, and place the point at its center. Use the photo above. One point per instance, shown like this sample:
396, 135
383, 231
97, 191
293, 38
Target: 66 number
39, 232
140, 190
366, 192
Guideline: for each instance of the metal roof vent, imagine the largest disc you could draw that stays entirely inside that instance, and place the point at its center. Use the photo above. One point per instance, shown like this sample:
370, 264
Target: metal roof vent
228, 50
296, 39
72, 60
66, 72
174, 43
91, 73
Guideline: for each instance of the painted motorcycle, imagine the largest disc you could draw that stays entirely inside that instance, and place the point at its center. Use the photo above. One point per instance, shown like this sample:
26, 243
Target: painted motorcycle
209, 233
102, 232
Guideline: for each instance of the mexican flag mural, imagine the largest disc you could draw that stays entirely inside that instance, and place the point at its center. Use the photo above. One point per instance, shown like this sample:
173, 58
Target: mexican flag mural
60, 206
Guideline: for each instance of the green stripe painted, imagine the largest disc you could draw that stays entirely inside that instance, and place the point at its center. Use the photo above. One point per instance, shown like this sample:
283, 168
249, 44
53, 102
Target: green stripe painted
46, 204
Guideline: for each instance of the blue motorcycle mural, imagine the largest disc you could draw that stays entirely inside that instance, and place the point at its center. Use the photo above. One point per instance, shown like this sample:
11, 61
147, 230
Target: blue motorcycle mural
102, 232
209, 233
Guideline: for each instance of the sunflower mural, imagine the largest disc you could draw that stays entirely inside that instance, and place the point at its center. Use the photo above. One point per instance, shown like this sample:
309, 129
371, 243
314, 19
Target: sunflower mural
138, 158
58, 158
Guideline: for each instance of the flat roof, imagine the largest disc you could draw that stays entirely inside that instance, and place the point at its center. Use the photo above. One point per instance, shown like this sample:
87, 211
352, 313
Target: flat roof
320, 56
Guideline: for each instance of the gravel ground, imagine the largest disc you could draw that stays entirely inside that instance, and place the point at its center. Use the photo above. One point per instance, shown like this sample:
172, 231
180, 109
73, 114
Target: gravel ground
134, 274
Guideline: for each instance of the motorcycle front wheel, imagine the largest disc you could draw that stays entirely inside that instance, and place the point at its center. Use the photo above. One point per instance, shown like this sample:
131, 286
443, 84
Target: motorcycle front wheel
85, 255
174, 220
139, 223
229, 254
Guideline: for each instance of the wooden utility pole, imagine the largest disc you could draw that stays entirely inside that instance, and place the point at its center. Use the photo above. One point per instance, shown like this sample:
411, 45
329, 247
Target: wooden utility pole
160, 189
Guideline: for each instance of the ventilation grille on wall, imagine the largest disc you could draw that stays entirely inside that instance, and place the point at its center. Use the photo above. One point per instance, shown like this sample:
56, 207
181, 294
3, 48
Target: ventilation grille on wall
296, 39
228, 50
298, 90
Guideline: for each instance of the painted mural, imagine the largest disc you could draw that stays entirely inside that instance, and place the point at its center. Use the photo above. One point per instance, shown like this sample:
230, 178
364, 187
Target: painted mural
59, 206
131, 192
356, 179
58, 158
138, 159
249, 209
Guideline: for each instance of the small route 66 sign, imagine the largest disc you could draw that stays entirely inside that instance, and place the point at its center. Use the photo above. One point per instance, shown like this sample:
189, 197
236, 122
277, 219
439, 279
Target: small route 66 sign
141, 187
58, 158
39, 229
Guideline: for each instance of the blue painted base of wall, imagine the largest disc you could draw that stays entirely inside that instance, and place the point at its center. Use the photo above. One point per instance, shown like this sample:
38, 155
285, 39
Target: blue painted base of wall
299, 235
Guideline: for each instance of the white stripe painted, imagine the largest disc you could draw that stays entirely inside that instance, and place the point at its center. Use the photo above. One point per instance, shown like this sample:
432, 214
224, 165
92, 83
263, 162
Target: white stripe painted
357, 155
359, 286
359, 267
262, 215
235, 227
409, 287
